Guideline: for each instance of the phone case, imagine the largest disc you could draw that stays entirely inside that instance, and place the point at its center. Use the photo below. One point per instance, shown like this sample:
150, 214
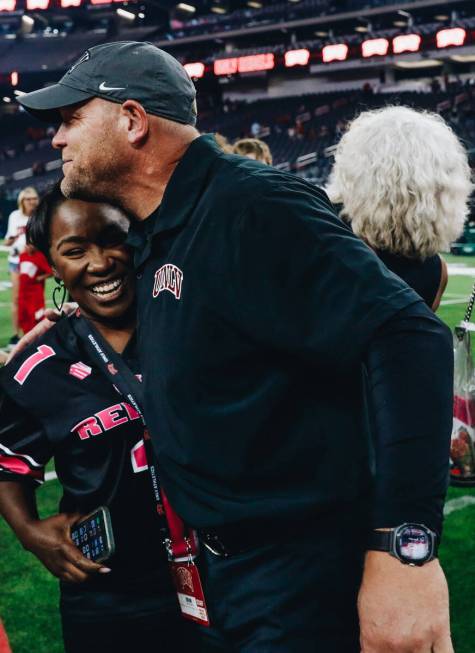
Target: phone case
108, 532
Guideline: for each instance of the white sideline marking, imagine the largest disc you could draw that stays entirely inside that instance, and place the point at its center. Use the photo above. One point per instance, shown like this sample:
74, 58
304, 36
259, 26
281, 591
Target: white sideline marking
460, 269
458, 504
451, 295
50, 476
448, 302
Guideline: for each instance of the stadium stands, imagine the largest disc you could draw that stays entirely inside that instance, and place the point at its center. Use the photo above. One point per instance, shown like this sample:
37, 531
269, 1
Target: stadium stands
293, 127
300, 129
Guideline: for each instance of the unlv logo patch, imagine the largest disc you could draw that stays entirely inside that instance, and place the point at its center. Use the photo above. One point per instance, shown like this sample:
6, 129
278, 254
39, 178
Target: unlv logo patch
170, 278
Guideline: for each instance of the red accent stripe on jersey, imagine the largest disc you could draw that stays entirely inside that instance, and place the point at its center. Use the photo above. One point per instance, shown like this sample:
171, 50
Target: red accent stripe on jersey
464, 410
19, 466
43, 353
8, 452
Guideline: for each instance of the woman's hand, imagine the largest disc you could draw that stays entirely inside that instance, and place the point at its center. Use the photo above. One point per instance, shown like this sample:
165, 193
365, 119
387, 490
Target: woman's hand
50, 541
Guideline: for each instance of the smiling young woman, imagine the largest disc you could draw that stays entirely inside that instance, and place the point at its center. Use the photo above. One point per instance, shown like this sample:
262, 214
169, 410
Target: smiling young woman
56, 403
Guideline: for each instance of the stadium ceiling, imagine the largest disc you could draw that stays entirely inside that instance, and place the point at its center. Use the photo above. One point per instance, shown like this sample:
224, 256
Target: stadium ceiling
191, 9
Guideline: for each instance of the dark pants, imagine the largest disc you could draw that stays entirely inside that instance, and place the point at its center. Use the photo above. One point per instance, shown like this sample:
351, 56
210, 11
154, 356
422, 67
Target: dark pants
156, 633
297, 595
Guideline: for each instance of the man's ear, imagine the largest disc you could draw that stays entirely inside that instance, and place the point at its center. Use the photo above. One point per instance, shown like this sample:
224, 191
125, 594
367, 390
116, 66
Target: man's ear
136, 122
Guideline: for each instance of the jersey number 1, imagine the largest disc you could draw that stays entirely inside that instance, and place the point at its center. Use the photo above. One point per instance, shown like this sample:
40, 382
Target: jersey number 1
42, 353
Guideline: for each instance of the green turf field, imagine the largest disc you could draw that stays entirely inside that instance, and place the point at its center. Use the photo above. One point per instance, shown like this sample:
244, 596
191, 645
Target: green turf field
29, 596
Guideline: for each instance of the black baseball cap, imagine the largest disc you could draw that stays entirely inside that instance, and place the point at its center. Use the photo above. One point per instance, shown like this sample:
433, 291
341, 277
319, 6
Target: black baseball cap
120, 71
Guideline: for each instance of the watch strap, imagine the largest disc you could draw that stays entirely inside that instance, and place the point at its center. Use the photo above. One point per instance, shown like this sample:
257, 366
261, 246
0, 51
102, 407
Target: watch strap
380, 540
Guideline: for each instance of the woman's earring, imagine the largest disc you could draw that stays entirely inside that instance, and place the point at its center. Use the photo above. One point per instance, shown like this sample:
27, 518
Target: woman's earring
59, 295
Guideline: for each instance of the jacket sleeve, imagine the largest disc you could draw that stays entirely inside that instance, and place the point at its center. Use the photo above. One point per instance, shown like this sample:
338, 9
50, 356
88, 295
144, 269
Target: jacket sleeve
24, 447
410, 375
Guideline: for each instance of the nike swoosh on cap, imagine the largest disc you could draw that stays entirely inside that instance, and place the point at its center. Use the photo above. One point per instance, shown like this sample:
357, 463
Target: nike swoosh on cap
103, 87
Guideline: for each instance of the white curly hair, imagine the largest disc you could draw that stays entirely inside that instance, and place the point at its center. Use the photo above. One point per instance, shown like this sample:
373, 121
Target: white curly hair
403, 179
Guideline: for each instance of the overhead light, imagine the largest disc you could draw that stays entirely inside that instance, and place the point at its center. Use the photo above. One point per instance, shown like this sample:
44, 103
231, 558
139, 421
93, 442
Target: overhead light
321, 34
7, 99
32, 5
374, 47
463, 58
182, 6
7, 5
27, 23
216, 9
294, 0
335, 52
361, 28
126, 15
14, 78
195, 70
441, 17
400, 23
296, 58
141, 15
255, 4
421, 63
406, 43
453, 36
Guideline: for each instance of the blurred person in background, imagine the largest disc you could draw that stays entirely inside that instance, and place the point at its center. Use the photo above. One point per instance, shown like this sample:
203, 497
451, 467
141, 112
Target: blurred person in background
254, 149
223, 143
34, 270
403, 180
27, 203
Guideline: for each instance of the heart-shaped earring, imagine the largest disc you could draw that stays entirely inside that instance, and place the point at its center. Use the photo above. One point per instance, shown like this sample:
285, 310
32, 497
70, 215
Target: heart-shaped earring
59, 295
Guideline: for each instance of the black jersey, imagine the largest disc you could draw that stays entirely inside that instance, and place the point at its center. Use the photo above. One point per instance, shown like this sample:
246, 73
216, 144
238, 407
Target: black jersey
56, 403
423, 276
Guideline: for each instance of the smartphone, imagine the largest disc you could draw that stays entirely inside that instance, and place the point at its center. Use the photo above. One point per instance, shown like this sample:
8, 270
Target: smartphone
93, 535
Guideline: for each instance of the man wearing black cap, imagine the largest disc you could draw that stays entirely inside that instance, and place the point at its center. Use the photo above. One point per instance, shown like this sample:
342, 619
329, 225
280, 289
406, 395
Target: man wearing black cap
258, 311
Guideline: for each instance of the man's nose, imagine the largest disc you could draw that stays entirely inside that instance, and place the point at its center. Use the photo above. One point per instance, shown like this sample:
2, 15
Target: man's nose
59, 141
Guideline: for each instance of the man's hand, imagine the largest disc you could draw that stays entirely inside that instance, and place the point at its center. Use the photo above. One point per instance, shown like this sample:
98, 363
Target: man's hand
50, 541
403, 609
41, 328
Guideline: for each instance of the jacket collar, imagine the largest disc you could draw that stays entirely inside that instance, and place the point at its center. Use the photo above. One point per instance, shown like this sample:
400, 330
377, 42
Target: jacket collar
186, 183
180, 197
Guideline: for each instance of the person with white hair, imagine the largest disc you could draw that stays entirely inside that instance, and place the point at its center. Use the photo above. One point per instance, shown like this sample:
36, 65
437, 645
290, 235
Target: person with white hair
403, 180
15, 239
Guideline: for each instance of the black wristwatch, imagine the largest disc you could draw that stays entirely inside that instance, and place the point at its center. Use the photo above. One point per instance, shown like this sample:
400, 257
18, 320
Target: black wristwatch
412, 544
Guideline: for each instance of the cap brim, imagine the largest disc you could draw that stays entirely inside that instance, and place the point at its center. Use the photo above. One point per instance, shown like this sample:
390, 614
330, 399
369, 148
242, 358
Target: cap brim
46, 102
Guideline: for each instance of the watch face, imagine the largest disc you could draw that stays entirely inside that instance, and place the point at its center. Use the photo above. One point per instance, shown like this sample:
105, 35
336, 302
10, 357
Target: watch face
414, 544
